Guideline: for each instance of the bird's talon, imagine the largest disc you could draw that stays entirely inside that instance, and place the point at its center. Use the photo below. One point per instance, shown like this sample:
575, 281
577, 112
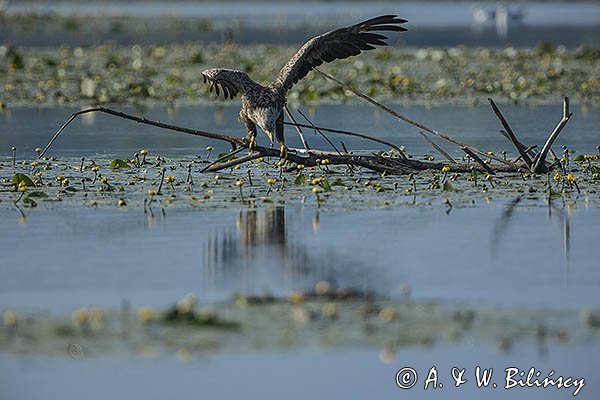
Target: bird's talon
283, 151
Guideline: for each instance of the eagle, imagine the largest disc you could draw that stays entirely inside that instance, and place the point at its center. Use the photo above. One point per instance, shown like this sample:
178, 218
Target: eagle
263, 105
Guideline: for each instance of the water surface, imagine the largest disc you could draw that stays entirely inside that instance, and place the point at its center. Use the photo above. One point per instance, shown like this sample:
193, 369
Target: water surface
317, 373
30, 127
502, 251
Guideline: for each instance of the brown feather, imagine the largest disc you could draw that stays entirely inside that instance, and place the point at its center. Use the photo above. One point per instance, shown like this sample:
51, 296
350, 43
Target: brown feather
336, 45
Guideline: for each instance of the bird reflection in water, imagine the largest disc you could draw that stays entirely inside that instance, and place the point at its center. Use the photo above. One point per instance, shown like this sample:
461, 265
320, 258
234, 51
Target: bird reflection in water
261, 253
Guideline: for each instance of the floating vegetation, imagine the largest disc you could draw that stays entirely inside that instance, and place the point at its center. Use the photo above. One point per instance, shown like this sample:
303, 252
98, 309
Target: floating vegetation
325, 176
122, 74
61, 182
325, 317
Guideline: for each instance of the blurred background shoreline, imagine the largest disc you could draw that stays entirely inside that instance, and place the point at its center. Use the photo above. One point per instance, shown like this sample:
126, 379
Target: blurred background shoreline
433, 23
77, 52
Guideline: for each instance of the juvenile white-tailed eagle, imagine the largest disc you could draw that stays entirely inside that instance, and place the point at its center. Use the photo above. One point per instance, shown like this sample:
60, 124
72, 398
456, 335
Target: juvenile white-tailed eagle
263, 106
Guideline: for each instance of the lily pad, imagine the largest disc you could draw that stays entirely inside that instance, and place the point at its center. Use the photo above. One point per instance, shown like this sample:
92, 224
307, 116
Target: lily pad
29, 202
18, 178
448, 187
38, 194
300, 179
118, 163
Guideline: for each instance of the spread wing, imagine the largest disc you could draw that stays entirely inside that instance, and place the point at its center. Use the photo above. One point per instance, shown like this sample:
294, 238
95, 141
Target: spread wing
336, 45
228, 81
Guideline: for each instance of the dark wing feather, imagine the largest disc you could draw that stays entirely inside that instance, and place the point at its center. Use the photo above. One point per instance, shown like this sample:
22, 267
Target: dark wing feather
336, 45
226, 83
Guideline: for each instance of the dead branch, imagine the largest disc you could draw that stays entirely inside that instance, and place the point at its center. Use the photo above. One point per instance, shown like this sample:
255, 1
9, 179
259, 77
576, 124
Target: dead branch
234, 141
438, 148
319, 131
347, 133
408, 120
218, 160
479, 160
510, 134
291, 117
539, 164
310, 158
528, 150
374, 162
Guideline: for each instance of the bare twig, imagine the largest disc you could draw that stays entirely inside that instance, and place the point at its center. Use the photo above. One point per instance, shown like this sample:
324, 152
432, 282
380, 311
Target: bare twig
438, 148
479, 160
291, 117
528, 150
539, 165
322, 134
348, 133
226, 156
236, 161
408, 120
511, 136
319, 131
234, 141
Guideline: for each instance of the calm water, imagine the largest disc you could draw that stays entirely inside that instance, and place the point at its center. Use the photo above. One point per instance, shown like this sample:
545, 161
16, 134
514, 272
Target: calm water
491, 253
82, 256
30, 127
312, 373
473, 254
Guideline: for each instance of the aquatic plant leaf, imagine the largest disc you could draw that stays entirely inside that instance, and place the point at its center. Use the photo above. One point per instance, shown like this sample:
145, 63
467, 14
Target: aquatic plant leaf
338, 182
300, 179
326, 186
448, 187
554, 194
38, 194
209, 320
18, 178
27, 202
118, 163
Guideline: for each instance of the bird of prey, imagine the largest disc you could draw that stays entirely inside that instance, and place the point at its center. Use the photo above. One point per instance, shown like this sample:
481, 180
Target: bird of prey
263, 105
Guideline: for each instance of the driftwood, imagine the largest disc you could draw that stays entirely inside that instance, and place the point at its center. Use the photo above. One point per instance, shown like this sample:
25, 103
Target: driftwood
375, 162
